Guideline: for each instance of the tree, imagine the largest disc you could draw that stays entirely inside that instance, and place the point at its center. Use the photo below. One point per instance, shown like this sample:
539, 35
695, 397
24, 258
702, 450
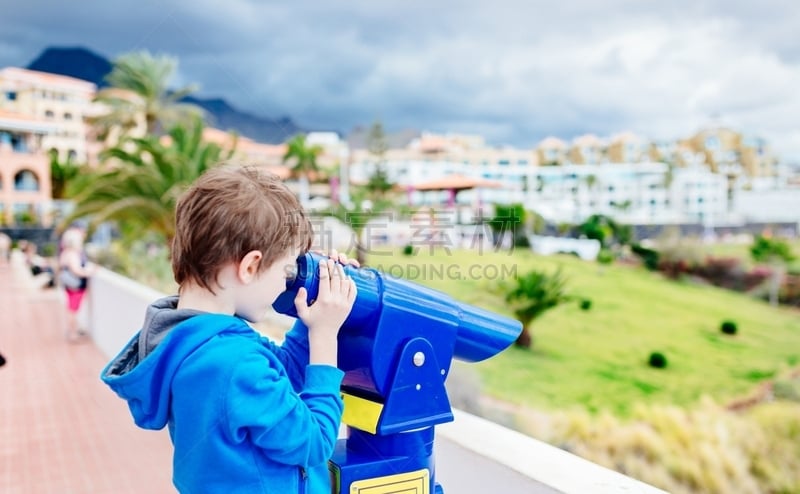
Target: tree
777, 254
370, 200
139, 95
535, 293
509, 221
607, 231
140, 188
378, 184
303, 159
61, 174
377, 144
357, 216
592, 185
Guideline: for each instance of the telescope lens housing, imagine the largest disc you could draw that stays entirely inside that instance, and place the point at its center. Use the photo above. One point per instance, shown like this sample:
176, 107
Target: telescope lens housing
389, 311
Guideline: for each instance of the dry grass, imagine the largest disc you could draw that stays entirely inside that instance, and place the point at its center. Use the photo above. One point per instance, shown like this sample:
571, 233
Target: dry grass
706, 449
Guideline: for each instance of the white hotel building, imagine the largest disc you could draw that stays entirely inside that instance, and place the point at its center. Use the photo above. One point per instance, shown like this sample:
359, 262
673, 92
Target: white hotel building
637, 192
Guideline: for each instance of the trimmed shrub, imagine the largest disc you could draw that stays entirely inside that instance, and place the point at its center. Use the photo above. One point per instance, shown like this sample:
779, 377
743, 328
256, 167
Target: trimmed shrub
657, 360
649, 256
605, 256
586, 304
729, 327
408, 250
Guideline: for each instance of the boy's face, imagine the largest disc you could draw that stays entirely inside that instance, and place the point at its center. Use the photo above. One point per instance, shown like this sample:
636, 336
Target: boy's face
258, 296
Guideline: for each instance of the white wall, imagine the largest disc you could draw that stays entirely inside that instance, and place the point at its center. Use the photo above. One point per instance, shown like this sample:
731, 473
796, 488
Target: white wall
116, 311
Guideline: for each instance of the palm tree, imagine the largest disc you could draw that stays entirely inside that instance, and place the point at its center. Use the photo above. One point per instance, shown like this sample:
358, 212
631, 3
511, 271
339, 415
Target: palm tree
139, 95
147, 176
304, 161
61, 174
592, 184
535, 293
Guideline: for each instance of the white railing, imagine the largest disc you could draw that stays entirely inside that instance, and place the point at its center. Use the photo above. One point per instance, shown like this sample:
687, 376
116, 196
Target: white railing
116, 308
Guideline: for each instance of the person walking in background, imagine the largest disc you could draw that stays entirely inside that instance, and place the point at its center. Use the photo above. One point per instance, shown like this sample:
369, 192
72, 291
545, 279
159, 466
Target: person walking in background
5, 249
74, 273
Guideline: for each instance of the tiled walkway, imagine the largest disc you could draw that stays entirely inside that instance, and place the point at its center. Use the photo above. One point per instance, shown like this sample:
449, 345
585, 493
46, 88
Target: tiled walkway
62, 431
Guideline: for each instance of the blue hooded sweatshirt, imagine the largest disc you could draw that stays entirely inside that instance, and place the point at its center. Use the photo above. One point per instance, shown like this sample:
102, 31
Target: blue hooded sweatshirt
244, 414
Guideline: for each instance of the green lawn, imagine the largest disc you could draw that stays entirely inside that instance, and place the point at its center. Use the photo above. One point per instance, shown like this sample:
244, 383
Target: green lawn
597, 359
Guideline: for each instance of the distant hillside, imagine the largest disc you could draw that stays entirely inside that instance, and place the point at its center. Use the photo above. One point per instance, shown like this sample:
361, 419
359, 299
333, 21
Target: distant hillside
224, 116
84, 64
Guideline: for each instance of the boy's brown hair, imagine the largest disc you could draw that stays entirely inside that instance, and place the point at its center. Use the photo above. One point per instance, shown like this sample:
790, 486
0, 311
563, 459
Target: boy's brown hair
229, 211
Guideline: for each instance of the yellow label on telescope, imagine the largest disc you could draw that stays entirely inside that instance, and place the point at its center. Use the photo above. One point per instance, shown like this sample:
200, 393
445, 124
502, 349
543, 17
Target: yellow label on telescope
403, 483
361, 413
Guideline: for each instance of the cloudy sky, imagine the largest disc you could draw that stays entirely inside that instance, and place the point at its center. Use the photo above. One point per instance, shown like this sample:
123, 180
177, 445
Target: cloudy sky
515, 71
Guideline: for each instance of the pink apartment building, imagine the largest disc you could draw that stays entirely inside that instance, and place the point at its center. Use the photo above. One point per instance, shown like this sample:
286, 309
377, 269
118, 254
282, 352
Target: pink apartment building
38, 112
24, 168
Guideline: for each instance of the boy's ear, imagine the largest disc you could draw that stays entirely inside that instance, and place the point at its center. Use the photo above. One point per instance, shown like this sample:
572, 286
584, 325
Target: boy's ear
248, 266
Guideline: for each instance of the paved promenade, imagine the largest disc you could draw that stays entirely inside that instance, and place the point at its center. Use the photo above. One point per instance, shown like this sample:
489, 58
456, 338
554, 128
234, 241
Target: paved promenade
61, 430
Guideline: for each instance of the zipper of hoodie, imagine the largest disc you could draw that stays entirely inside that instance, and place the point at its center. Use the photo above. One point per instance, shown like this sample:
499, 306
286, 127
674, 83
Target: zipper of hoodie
303, 481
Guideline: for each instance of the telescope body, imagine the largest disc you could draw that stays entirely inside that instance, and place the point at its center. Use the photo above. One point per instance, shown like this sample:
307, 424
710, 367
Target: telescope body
396, 347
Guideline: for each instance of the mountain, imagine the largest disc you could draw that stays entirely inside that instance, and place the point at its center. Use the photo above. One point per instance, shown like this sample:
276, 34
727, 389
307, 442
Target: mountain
224, 116
79, 63
84, 64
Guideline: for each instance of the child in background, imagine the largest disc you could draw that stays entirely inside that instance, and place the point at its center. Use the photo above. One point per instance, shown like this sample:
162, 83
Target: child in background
244, 414
38, 265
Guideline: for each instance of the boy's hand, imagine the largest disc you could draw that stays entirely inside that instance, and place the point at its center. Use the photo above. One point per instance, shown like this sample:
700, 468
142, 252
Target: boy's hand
340, 257
325, 315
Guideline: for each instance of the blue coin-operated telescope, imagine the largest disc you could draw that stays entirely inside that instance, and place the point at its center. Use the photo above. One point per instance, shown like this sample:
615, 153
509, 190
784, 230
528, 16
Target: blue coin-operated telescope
396, 347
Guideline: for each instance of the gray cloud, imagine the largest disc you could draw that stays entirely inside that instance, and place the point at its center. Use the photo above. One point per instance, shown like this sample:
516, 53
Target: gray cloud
516, 71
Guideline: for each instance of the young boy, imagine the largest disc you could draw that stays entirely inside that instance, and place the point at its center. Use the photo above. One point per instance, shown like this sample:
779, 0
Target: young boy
244, 414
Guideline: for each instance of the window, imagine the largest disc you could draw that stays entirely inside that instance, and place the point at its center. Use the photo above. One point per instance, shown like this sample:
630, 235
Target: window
712, 143
16, 141
26, 181
49, 114
503, 162
68, 116
11, 95
72, 155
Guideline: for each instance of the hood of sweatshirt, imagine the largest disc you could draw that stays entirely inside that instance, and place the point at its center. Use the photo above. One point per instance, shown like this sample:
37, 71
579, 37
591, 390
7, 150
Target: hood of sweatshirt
142, 372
